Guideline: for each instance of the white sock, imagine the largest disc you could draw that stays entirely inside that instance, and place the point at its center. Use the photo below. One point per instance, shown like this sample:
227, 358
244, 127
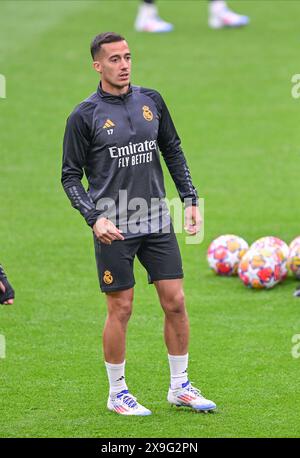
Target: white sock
217, 6
116, 377
178, 370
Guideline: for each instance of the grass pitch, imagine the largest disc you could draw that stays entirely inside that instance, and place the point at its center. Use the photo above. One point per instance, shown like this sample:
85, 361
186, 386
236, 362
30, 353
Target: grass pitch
229, 92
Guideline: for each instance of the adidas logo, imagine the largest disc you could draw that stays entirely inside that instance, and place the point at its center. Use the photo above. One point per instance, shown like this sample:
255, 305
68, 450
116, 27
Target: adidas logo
108, 123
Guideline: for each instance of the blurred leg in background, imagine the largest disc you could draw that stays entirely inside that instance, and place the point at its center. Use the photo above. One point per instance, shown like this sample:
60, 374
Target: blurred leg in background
148, 20
219, 16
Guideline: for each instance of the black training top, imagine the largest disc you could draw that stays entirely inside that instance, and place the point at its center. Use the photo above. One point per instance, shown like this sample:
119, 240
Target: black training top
116, 140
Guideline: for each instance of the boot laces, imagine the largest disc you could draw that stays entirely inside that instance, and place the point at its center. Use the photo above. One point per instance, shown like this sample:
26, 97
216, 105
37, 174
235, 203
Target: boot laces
128, 398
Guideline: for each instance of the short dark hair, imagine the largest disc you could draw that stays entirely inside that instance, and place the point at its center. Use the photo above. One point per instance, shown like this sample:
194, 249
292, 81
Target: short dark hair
103, 38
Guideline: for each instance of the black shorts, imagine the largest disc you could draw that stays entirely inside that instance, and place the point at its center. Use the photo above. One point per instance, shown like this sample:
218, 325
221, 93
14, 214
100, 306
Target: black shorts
158, 253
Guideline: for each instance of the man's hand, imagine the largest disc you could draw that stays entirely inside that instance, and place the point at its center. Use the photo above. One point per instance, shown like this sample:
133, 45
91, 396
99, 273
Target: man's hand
192, 220
106, 231
7, 293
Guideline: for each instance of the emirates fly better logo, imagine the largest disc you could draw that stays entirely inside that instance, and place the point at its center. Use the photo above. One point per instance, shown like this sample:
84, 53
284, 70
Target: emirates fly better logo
133, 153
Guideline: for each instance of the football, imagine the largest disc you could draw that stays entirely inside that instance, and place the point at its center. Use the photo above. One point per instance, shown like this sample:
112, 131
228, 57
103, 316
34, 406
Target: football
294, 242
260, 269
224, 254
294, 258
276, 246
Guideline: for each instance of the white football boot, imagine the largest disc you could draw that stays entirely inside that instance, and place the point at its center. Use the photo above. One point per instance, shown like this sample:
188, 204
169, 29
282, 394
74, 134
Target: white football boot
148, 20
219, 16
125, 404
189, 396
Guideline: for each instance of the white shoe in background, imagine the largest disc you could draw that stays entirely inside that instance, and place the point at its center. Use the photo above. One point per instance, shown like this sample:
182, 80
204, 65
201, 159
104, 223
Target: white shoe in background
219, 16
148, 20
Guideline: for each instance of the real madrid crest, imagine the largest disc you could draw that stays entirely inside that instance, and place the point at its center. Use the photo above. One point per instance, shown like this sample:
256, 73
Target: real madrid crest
147, 113
107, 277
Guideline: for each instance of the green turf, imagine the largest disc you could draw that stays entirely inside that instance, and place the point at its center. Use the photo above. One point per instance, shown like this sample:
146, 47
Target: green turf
230, 95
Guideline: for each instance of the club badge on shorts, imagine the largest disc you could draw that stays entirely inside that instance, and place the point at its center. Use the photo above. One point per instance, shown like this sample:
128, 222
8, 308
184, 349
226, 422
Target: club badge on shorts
147, 113
108, 278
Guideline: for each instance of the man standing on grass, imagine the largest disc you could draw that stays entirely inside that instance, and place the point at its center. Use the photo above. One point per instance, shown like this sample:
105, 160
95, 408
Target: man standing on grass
114, 136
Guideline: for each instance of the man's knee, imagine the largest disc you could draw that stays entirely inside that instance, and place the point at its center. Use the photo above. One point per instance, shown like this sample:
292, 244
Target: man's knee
120, 306
174, 303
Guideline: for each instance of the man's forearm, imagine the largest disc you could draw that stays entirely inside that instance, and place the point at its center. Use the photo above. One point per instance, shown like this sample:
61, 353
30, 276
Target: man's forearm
170, 146
181, 176
81, 201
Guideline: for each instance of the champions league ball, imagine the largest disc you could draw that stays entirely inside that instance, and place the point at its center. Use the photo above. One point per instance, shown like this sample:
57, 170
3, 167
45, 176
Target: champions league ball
294, 242
260, 268
272, 242
294, 258
224, 254
278, 247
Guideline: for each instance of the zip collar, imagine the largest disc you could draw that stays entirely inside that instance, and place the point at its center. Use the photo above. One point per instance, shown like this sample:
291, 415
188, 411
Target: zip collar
111, 97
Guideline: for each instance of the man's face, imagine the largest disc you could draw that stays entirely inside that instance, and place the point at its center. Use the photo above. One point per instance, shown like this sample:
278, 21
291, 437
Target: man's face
114, 64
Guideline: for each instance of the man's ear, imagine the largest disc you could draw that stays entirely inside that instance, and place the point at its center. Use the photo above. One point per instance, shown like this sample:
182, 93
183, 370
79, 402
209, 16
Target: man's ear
97, 66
